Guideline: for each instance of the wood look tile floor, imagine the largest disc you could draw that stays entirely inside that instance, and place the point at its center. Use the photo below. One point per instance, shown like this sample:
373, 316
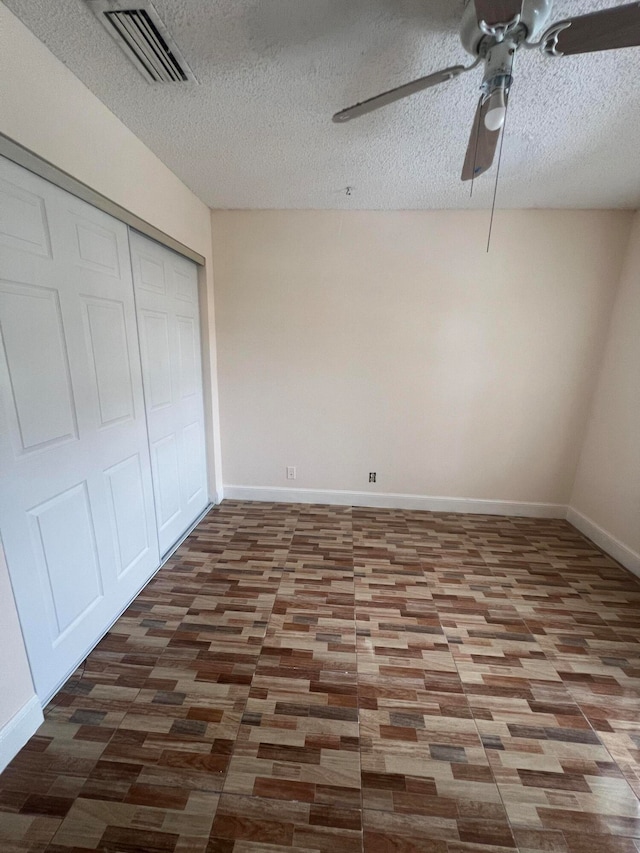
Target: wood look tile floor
313, 678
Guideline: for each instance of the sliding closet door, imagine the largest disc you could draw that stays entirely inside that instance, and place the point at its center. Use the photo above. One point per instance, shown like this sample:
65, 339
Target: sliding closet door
76, 502
166, 288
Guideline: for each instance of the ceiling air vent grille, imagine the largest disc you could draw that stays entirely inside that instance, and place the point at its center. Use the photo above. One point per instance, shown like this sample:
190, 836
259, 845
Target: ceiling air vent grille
144, 38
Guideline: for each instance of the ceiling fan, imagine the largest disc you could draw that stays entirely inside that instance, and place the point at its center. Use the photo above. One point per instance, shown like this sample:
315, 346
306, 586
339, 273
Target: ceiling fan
492, 31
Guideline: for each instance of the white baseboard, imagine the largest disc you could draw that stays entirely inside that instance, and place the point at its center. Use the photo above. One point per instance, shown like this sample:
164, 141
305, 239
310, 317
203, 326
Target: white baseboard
603, 539
19, 729
394, 501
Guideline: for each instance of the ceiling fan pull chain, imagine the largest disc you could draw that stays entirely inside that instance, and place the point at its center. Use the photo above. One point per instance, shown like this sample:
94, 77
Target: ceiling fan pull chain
495, 189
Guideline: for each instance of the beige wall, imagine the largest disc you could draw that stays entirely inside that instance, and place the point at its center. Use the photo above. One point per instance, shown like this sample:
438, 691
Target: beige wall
391, 342
607, 485
46, 108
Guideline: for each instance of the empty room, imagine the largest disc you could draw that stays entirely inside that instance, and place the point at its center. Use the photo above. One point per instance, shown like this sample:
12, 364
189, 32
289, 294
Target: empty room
319, 426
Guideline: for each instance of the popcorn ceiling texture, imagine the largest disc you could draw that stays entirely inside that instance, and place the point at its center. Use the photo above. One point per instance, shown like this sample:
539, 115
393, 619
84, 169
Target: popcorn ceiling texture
257, 131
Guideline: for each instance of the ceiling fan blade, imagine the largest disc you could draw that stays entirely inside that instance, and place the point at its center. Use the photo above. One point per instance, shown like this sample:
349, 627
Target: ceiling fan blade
494, 12
392, 95
605, 30
482, 146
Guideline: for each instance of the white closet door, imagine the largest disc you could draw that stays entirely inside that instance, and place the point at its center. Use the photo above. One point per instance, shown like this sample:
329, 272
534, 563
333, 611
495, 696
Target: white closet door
76, 501
166, 288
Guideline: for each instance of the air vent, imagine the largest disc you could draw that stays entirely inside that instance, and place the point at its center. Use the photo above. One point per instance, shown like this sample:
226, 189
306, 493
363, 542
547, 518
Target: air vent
144, 38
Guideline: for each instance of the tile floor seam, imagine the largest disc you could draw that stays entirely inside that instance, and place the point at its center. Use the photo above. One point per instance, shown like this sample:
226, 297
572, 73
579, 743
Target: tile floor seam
266, 628
569, 690
568, 687
113, 734
355, 634
481, 738
602, 743
482, 741
235, 743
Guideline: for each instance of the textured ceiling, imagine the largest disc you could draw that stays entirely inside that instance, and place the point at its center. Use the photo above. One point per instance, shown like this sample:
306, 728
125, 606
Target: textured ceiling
256, 132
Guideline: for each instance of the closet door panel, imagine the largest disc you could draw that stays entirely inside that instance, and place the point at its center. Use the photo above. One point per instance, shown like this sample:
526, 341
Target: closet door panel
166, 288
77, 513
106, 340
129, 511
156, 358
38, 377
23, 220
66, 549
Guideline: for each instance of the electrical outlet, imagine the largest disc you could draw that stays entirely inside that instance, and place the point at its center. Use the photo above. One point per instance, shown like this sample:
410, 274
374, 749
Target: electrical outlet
291, 472
372, 477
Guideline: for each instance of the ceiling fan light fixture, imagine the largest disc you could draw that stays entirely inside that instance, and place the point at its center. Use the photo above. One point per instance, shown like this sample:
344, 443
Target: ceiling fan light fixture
494, 119
497, 111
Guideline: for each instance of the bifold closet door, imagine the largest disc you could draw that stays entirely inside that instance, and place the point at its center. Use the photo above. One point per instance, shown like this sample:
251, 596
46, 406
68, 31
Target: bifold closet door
76, 502
166, 288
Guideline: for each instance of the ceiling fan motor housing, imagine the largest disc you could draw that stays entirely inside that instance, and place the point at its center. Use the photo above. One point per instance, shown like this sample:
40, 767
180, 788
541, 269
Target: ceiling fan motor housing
535, 15
498, 64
